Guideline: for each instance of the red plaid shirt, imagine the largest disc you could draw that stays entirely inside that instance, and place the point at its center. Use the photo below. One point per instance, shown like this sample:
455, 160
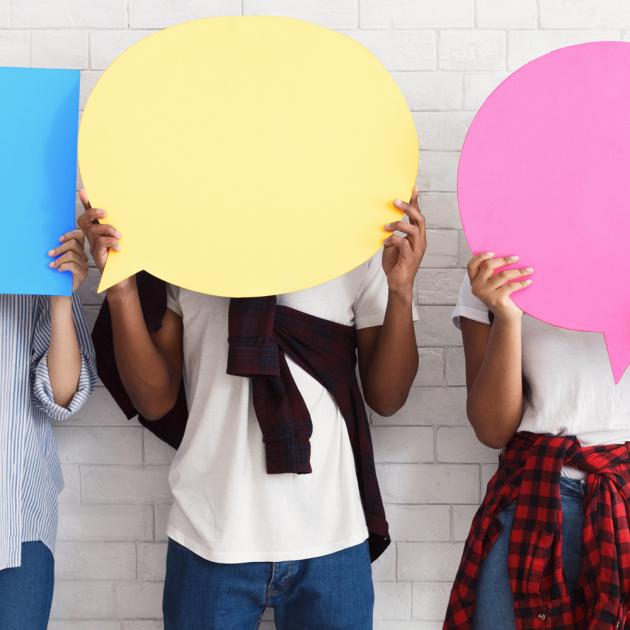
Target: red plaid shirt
529, 475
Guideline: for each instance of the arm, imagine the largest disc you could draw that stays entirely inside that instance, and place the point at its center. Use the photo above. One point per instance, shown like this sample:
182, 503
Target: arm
388, 354
150, 365
63, 370
64, 355
493, 353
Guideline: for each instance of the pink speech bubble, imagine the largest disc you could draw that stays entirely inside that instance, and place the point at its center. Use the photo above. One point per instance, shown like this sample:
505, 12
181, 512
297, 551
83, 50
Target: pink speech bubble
545, 174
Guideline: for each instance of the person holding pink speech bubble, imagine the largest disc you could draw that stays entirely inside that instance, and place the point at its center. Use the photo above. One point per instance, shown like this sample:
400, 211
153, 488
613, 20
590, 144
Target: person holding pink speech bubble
47, 373
550, 545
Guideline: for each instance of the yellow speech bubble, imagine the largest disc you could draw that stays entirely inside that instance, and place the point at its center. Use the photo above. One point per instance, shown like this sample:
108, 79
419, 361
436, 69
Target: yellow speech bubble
246, 156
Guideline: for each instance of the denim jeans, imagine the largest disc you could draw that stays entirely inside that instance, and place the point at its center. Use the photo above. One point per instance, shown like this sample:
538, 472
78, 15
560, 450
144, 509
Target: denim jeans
26, 591
326, 593
495, 608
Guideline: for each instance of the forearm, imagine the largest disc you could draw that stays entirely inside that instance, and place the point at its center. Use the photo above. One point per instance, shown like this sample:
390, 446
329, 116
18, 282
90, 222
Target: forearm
143, 370
495, 399
64, 354
394, 362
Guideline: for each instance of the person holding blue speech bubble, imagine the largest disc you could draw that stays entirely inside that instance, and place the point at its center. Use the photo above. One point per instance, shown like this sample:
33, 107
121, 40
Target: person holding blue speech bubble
276, 501
48, 372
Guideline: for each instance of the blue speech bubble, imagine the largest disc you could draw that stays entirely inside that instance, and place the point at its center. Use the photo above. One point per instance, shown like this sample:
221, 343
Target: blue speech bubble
38, 153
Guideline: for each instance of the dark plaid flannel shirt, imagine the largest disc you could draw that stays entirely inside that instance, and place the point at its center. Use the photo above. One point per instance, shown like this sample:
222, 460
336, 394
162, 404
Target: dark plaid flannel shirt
260, 335
529, 475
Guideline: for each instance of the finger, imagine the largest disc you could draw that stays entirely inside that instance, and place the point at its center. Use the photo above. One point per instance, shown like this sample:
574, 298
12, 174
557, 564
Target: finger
68, 257
101, 229
83, 196
76, 235
89, 216
501, 278
72, 245
411, 210
402, 226
104, 229
475, 262
399, 242
489, 266
77, 270
411, 231
107, 242
512, 287
415, 198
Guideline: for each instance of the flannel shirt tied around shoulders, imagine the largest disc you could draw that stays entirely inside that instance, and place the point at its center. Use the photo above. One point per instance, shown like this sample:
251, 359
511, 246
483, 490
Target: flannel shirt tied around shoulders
529, 476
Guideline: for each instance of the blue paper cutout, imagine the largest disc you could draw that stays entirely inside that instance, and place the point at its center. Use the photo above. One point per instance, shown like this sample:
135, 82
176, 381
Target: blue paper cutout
38, 153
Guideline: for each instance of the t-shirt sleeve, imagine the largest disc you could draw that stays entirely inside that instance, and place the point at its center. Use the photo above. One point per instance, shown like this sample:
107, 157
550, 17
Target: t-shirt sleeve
172, 299
469, 305
371, 302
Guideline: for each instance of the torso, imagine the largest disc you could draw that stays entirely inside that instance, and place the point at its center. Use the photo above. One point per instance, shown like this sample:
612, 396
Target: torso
226, 507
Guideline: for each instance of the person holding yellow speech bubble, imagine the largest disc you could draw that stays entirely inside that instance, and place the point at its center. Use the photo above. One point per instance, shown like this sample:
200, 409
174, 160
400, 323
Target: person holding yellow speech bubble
276, 502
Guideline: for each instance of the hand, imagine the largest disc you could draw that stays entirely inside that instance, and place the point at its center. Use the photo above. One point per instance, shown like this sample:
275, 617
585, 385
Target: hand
101, 236
495, 289
70, 256
402, 255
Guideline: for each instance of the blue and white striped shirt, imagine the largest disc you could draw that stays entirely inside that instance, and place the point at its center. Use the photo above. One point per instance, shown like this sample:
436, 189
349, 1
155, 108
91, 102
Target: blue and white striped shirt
30, 473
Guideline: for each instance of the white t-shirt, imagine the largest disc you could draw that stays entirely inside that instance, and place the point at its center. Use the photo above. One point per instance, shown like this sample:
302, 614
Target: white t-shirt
572, 388
227, 508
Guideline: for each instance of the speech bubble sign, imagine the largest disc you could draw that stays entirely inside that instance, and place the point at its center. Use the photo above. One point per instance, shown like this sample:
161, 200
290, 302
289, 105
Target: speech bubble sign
39, 118
245, 156
544, 174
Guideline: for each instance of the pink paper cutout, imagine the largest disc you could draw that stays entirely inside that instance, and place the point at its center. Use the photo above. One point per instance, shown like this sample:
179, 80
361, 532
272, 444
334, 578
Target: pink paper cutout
544, 173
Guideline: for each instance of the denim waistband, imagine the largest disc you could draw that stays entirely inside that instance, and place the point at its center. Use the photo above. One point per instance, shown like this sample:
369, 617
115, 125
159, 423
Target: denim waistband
571, 487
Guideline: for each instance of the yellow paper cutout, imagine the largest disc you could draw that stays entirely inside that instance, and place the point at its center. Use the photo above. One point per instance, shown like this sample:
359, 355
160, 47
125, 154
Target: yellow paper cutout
246, 156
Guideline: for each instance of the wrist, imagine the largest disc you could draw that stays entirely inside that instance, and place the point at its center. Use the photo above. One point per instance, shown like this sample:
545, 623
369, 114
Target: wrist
60, 302
511, 319
401, 296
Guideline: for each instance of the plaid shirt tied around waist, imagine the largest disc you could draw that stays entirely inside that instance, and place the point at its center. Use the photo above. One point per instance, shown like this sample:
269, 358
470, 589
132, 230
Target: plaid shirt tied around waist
529, 476
261, 335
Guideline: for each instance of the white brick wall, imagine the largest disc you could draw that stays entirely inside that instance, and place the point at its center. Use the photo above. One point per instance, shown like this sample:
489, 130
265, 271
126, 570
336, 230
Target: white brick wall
447, 56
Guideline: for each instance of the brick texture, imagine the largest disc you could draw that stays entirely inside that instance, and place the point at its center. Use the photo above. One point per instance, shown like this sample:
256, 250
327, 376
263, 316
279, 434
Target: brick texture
447, 56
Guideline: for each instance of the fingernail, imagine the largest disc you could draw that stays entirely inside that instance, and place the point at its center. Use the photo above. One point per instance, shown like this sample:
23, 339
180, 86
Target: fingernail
397, 202
51, 252
528, 281
512, 257
61, 238
118, 234
52, 264
528, 270
101, 213
489, 254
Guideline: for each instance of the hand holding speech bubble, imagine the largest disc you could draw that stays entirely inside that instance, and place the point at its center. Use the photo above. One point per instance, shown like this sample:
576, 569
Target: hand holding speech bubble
245, 156
545, 174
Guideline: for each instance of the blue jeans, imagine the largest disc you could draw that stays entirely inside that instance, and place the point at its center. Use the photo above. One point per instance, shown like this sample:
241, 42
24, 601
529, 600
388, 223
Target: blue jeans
495, 606
326, 593
26, 591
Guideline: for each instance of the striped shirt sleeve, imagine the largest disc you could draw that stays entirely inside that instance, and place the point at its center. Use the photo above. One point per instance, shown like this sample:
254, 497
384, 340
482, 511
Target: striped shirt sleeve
41, 389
